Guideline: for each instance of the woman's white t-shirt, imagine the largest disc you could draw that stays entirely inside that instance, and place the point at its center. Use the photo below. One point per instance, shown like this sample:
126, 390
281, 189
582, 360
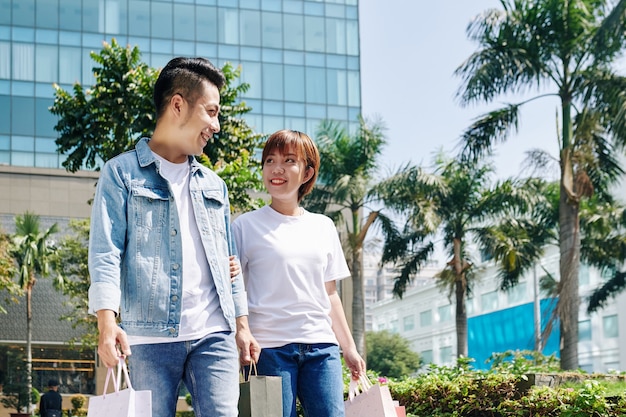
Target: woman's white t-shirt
286, 261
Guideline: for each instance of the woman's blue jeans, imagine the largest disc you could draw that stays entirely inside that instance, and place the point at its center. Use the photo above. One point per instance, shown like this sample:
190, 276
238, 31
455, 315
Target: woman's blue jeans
312, 373
209, 368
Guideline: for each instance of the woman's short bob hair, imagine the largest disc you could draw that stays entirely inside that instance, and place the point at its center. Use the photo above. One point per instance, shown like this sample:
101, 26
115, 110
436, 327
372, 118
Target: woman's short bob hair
304, 148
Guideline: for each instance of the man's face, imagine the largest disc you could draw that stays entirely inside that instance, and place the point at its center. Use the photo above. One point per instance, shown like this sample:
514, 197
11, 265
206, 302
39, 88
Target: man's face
200, 121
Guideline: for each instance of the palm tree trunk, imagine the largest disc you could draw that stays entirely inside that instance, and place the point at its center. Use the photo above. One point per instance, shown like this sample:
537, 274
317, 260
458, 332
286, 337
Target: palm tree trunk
358, 302
460, 288
569, 299
29, 349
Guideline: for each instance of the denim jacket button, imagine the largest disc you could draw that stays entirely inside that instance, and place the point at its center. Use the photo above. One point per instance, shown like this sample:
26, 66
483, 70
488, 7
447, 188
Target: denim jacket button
174, 298
175, 266
173, 232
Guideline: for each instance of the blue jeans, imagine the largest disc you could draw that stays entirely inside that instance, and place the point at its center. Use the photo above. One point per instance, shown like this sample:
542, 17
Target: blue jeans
310, 372
209, 368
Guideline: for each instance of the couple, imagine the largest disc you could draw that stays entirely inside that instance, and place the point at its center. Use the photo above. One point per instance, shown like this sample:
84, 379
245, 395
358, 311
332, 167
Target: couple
159, 246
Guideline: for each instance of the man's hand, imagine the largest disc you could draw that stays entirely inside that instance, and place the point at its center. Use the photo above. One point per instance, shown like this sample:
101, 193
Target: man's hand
249, 349
112, 341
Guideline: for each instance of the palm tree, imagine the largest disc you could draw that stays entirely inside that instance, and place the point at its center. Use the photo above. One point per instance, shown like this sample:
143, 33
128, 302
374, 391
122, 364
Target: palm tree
347, 171
455, 204
33, 252
567, 48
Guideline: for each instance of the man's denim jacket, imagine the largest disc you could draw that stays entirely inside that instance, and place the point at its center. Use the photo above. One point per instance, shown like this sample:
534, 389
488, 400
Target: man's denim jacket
135, 255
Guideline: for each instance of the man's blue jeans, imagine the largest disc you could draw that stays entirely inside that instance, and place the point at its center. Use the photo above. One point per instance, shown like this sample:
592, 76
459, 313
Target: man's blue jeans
209, 368
310, 372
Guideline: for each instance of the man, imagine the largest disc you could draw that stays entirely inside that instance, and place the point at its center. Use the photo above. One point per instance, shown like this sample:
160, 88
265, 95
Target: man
51, 402
159, 250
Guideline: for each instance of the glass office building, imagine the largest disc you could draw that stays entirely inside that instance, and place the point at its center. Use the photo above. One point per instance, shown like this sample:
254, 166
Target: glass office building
301, 58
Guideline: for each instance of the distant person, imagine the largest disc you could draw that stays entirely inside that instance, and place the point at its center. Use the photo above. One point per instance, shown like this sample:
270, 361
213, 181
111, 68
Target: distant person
291, 260
159, 250
51, 403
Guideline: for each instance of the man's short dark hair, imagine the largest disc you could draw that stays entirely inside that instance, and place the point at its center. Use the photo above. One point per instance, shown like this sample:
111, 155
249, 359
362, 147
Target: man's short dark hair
184, 76
53, 383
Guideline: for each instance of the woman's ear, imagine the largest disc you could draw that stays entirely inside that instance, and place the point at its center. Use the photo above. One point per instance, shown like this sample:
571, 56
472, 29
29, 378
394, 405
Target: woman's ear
308, 174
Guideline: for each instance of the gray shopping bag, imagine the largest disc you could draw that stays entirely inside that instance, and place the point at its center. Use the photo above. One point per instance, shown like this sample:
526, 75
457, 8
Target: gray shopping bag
260, 396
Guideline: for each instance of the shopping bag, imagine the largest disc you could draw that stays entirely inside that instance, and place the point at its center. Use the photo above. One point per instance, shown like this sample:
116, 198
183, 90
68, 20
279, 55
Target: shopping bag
260, 395
367, 400
121, 402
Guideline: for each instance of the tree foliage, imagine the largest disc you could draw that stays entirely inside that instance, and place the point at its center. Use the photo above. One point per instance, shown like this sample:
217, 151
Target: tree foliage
459, 204
11, 289
72, 262
568, 50
347, 174
97, 123
390, 355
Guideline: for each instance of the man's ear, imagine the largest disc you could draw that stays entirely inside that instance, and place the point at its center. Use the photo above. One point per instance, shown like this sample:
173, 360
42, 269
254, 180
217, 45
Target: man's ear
176, 104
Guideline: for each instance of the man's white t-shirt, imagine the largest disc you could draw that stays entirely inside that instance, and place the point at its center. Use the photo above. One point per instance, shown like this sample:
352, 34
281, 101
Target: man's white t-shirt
200, 312
286, 261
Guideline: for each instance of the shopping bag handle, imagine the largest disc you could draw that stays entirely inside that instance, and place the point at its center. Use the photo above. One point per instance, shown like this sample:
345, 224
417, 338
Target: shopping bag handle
252, 368
122, 369
358, 386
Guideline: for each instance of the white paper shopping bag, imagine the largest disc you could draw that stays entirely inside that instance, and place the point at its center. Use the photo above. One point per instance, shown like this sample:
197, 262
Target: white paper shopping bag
369, 401
121, 402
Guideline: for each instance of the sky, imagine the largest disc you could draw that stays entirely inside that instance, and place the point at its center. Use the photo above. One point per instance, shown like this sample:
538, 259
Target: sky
409, 52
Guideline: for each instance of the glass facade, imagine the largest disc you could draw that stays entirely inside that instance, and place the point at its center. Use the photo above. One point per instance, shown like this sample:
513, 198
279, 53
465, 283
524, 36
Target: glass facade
301, 58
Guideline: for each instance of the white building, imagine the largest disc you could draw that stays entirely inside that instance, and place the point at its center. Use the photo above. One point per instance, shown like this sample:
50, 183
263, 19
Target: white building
500, 320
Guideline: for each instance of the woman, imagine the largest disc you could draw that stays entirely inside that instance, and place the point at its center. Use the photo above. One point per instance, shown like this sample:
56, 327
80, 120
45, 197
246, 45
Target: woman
291, 259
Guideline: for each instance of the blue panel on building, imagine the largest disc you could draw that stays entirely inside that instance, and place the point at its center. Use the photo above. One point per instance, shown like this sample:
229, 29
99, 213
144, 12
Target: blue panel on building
509, 329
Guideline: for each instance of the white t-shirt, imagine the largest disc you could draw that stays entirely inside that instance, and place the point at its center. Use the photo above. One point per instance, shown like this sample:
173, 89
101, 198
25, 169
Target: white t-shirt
200, 312
286, 261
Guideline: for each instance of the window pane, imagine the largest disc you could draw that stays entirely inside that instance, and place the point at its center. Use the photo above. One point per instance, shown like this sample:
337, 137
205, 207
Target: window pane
22, 143
427, 357
47, 68
293, 34
23, 61
335, 36
294, 83
426, 318
91, 17
354, 89
517, 294
228, 26
139, 17
314, 33
184, 22
206, 24
47, 160
445, 354
44, 120
69, 65
609, 324
161, 20
337, 87
408, 323
5, 12
5, 115
445, 313
250, 28
251, 74
23, 116
272, 81
48, 14
22, 159
115, 16
352, 38
24, 13
315, 85
5, 60
584, 330
70, 15
272, 30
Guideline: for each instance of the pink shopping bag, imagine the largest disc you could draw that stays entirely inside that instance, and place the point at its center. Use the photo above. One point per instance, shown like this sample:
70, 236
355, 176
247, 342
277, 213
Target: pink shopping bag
367, 400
